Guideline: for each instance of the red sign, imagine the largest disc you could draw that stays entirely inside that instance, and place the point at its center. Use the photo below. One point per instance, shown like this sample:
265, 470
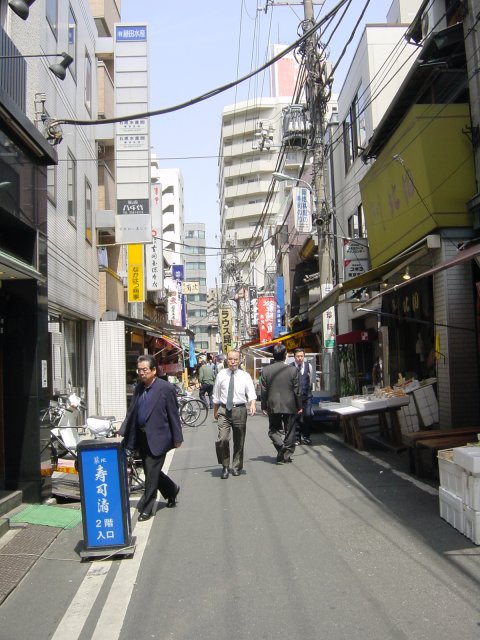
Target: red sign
266, 317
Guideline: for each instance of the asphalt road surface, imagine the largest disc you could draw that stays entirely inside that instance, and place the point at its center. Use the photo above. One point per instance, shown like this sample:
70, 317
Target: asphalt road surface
335, 546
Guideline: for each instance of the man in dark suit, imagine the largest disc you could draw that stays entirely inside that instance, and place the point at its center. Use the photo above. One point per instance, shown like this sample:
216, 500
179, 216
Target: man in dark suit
305, 378
281, 401
152, 426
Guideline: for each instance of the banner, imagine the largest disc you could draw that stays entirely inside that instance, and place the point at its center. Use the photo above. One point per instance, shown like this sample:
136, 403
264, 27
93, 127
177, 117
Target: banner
154, 251
135, 273
302, 209
328, 320
225, 325
253, 306
178, 277
279, 308
266, 317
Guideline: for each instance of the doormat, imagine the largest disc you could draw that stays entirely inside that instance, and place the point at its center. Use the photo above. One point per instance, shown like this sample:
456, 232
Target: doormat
60, 517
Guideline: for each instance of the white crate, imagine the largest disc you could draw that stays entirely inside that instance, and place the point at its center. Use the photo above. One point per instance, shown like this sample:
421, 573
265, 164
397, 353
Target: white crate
468, 458
452, 477
451, 509
472, 524
472, 491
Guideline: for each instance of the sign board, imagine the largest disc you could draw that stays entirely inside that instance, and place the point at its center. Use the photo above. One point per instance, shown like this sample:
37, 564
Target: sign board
135, 273
253, 306
104, 495
328, 318
225, 324
302, 209
266, 317
190, 287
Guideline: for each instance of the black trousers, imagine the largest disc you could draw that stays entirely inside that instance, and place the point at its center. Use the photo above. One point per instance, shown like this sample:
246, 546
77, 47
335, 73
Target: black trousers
277, 423
155, 479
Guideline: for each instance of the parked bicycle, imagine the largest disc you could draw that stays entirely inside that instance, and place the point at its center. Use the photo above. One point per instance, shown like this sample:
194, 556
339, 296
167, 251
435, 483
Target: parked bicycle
193, 412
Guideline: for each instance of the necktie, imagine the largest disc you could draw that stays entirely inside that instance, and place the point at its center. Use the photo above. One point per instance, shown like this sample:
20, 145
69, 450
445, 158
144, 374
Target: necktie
229, 405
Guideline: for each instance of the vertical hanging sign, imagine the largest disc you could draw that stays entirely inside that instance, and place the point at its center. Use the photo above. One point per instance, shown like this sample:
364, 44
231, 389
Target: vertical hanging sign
132, 137
178, 277
225, 324
266, 317
135, 273
154, 251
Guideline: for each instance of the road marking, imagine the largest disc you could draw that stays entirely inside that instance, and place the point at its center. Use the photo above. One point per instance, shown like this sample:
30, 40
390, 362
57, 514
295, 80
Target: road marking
111, 619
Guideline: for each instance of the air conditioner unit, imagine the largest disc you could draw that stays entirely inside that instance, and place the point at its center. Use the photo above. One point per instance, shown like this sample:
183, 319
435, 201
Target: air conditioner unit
433, 18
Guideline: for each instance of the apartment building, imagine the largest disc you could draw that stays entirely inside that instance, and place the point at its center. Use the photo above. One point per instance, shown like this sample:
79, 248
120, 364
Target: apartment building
196, 278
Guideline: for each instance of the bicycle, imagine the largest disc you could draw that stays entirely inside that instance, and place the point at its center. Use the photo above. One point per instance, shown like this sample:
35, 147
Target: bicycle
193, 412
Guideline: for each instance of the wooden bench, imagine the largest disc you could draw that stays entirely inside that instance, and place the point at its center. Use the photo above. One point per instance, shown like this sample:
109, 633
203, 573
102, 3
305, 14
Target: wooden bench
435, 440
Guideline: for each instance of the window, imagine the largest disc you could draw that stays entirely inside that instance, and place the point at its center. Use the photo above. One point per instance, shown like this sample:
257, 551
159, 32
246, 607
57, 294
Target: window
88, 82
195, 234
72, 41
72, 187
195, 266
197, 297
354, 134
197, 313
52, 184
52, 16
356, 224
195, 250
88, 211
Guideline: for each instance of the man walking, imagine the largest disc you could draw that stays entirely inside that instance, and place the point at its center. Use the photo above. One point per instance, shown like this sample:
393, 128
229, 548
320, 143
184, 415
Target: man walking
281, 401
206, 378
305, 376
232, 392
152, 425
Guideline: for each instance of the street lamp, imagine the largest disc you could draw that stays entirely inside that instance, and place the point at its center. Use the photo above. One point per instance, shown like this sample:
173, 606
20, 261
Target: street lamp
282, 177
59, 69
21, 7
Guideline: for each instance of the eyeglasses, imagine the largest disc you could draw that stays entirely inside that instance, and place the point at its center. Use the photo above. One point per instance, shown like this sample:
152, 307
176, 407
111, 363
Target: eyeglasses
143, 370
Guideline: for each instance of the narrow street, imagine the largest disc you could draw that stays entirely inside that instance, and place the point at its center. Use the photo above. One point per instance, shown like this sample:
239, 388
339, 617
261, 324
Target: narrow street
337, 545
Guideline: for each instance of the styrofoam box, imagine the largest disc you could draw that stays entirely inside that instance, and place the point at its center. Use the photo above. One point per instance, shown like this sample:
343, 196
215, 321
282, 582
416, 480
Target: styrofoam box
398, 401
468, 458
452, 477
472, 524
451, 509
369, 405
472, 491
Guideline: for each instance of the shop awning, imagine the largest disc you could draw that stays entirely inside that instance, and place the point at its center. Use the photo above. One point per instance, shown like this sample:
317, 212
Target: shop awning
463, 255
294, 335
15, 268
358, 282
354, 337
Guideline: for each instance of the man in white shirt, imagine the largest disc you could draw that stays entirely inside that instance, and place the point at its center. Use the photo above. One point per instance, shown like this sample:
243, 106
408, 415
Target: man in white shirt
232, 392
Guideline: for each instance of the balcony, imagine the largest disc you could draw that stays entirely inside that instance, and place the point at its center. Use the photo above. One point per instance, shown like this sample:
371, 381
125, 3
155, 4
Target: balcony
247, 189
111, 292
105, 13
105, 95
107, 192
252, 167
12, 71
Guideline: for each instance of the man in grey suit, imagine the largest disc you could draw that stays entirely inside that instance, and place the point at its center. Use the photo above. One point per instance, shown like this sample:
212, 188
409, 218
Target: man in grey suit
281, 401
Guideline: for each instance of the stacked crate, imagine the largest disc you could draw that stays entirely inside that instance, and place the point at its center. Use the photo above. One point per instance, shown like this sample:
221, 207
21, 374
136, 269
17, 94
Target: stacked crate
459, 491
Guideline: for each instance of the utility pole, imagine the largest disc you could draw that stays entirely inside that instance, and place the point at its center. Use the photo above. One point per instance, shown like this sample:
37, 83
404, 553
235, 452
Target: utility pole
317, 98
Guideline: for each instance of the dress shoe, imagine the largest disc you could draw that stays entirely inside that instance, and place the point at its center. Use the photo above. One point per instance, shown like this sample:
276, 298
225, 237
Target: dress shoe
297, 443
225, 473
307, 441
144, 516
235, 472
280, 458
171, 502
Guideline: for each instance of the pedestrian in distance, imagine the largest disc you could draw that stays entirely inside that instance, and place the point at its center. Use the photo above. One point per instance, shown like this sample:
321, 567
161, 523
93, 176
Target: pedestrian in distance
206, 379
152, 426
305, 378
232, 394
281, 402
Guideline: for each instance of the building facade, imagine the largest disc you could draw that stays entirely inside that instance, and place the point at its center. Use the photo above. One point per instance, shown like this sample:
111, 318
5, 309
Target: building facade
195, 278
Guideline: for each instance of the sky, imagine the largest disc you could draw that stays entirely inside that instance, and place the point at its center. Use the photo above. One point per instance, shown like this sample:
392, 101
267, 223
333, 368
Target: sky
197, 46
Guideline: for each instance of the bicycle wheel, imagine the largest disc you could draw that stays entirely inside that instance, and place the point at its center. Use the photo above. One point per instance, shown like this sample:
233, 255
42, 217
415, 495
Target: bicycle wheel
193, 413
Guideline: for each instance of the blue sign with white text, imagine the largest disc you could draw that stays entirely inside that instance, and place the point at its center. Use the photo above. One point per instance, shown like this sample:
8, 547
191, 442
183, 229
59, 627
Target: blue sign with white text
102, 497
130, 33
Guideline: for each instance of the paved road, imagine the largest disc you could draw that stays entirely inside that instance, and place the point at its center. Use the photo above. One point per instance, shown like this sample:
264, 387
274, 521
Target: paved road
334, 546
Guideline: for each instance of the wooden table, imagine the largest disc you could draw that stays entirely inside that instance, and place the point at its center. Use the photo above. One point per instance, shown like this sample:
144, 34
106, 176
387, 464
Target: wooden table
352, 433
435, 440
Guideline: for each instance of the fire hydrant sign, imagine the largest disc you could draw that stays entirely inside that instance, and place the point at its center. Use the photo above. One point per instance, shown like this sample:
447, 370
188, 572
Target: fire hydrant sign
105, 508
